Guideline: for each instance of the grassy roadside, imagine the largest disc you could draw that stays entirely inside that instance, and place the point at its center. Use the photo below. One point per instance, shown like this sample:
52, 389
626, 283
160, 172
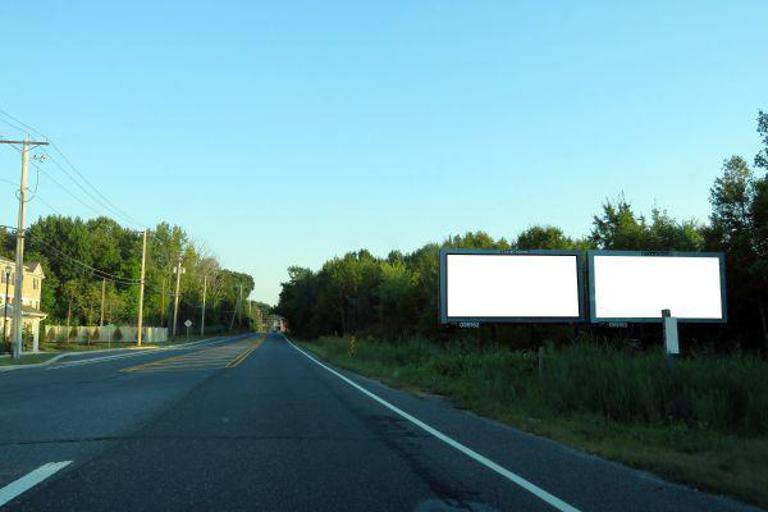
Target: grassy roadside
27, 359
704, 426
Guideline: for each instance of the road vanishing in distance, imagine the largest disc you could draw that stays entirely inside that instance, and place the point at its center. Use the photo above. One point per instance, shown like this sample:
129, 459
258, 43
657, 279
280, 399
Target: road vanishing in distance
254, 423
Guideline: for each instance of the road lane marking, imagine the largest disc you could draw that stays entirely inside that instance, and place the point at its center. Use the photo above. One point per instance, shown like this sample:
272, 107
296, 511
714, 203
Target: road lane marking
101, 359
209, 357
242, 357
537, 491
31, 479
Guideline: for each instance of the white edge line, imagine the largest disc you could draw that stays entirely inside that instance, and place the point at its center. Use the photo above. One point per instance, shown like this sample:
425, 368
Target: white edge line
540, 493
31, 479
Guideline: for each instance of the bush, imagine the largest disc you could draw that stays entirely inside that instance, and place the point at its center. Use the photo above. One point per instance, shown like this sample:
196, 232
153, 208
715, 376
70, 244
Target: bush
96, 335
50, 335
118, 335
73, 334
27, 336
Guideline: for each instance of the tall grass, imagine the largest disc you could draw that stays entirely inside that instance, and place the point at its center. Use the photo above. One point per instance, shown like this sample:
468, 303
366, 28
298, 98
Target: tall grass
728, 394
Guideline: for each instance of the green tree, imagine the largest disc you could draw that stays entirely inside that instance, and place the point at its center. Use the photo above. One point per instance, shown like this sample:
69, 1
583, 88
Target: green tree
618, 227
543, 237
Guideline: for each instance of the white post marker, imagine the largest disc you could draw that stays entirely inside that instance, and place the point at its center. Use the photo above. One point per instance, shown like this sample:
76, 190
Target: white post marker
31, 479
534, 489
671, 343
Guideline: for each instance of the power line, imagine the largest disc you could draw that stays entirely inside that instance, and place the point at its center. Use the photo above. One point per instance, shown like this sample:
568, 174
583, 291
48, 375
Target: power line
104, 203
100, 198
12, 125
98, 192
62, 187
22, 123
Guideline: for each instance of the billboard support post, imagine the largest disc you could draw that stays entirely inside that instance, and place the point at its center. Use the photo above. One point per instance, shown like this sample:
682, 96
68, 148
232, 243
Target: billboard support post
541, 360
671, 341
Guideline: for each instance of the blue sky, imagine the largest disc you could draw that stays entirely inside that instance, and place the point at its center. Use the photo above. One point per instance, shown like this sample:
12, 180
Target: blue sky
282, 133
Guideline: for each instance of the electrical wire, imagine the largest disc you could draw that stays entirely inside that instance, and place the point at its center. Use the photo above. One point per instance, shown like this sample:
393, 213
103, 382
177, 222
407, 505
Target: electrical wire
12, 125
100, 198
40, 169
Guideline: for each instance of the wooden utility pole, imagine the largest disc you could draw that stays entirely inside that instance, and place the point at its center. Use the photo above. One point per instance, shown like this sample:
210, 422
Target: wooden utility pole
240, 311
140, 323
234, 314
205, 289
69, 316
176, 298
103, 295
18, 303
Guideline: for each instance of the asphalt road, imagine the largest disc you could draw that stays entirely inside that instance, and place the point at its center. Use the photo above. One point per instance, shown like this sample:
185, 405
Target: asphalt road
237, 424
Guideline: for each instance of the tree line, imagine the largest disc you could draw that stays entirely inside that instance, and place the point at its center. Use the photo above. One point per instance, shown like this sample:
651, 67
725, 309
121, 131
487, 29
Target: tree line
79, 257
397, 296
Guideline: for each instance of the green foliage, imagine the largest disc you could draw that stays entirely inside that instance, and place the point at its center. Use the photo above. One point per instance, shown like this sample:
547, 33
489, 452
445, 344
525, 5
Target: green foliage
50, 335
27, 336
396, 297
543, 237
117, 335
619, 228
72, 333
739, 225
72, 290
95, 335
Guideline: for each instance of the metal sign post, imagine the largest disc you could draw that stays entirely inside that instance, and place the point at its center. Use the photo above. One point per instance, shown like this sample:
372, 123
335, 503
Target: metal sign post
188, 324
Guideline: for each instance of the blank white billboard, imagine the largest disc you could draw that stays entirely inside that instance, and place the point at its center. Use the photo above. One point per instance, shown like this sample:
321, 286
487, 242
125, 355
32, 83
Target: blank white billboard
631, 287
511, 286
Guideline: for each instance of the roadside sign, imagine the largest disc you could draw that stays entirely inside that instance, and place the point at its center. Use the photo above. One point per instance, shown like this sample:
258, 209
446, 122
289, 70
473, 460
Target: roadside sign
188, 323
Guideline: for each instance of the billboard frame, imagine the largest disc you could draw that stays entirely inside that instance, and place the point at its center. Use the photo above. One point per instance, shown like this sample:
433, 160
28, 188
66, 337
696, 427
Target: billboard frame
594, 319
443, 287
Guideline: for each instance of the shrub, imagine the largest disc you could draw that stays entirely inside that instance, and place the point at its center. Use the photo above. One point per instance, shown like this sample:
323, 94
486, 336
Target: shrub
50, 335
27, 336
96, 335
118, 335
73, 334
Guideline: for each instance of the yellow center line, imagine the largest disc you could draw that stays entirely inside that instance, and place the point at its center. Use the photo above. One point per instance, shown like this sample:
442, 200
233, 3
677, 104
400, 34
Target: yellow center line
244, 355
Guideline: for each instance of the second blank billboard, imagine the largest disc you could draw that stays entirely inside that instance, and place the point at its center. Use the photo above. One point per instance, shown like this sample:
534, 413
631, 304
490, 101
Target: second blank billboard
633, 286
499, 286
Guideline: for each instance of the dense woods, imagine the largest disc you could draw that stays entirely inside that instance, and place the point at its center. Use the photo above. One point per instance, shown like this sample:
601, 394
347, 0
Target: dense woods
396, 296
78, 256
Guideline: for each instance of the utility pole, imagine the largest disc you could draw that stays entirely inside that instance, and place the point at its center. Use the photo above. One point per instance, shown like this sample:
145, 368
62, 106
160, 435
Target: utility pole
240, 311
178, 270
234, 314
18, 302
141, 290
205, 289
162, 302
103, 294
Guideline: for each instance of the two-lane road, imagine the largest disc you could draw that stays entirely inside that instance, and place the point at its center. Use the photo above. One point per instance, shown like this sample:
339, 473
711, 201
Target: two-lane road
238, 424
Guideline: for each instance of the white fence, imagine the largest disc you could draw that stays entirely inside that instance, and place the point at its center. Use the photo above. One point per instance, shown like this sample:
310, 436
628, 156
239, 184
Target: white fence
104, 334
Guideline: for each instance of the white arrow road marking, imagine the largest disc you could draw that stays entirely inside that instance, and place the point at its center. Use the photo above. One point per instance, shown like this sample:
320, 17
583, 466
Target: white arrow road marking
30, 480
537, 491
